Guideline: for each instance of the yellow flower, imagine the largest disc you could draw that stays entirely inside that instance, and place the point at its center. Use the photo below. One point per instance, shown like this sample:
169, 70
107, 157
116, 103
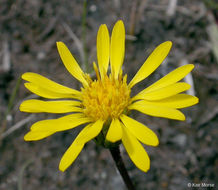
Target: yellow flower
104, 103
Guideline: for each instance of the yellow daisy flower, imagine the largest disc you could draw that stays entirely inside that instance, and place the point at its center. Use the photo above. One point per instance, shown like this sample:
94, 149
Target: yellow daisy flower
104, 103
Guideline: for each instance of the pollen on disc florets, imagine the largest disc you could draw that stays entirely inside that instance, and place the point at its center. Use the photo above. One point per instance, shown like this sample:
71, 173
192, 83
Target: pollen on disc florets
105, 99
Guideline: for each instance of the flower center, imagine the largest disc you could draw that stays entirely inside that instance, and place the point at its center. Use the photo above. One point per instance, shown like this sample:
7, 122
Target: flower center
105, 99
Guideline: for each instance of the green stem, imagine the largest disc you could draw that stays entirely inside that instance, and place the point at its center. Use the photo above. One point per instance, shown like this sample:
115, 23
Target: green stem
10, 106
21, 174
115, 152
13, 96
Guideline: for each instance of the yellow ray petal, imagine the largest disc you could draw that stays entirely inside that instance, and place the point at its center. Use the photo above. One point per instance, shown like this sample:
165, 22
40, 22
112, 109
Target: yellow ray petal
37, 135
88, 133
152, 62
70, 155
176, 101
103, 48
60, 124
140, 131
96, 71
117, 48
173, 77
135, 150
163, 93
42, 82
37, 106
158, 111
115, 131
49, 93
70, 63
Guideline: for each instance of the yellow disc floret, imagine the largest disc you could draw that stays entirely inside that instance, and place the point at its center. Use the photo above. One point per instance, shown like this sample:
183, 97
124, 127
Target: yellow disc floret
105, 99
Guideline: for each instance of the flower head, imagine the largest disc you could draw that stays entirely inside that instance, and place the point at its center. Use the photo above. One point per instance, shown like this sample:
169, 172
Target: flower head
104, 103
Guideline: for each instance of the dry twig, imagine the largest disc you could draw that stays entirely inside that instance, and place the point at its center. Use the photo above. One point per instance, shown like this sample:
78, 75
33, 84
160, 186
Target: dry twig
17, 126
171, 9
6, 58
78, 43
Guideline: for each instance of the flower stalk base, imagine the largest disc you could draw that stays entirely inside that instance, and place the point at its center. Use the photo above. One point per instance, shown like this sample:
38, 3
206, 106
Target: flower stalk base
115, 152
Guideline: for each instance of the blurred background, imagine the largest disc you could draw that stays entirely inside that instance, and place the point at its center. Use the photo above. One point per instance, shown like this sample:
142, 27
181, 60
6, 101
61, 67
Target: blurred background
28, 34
